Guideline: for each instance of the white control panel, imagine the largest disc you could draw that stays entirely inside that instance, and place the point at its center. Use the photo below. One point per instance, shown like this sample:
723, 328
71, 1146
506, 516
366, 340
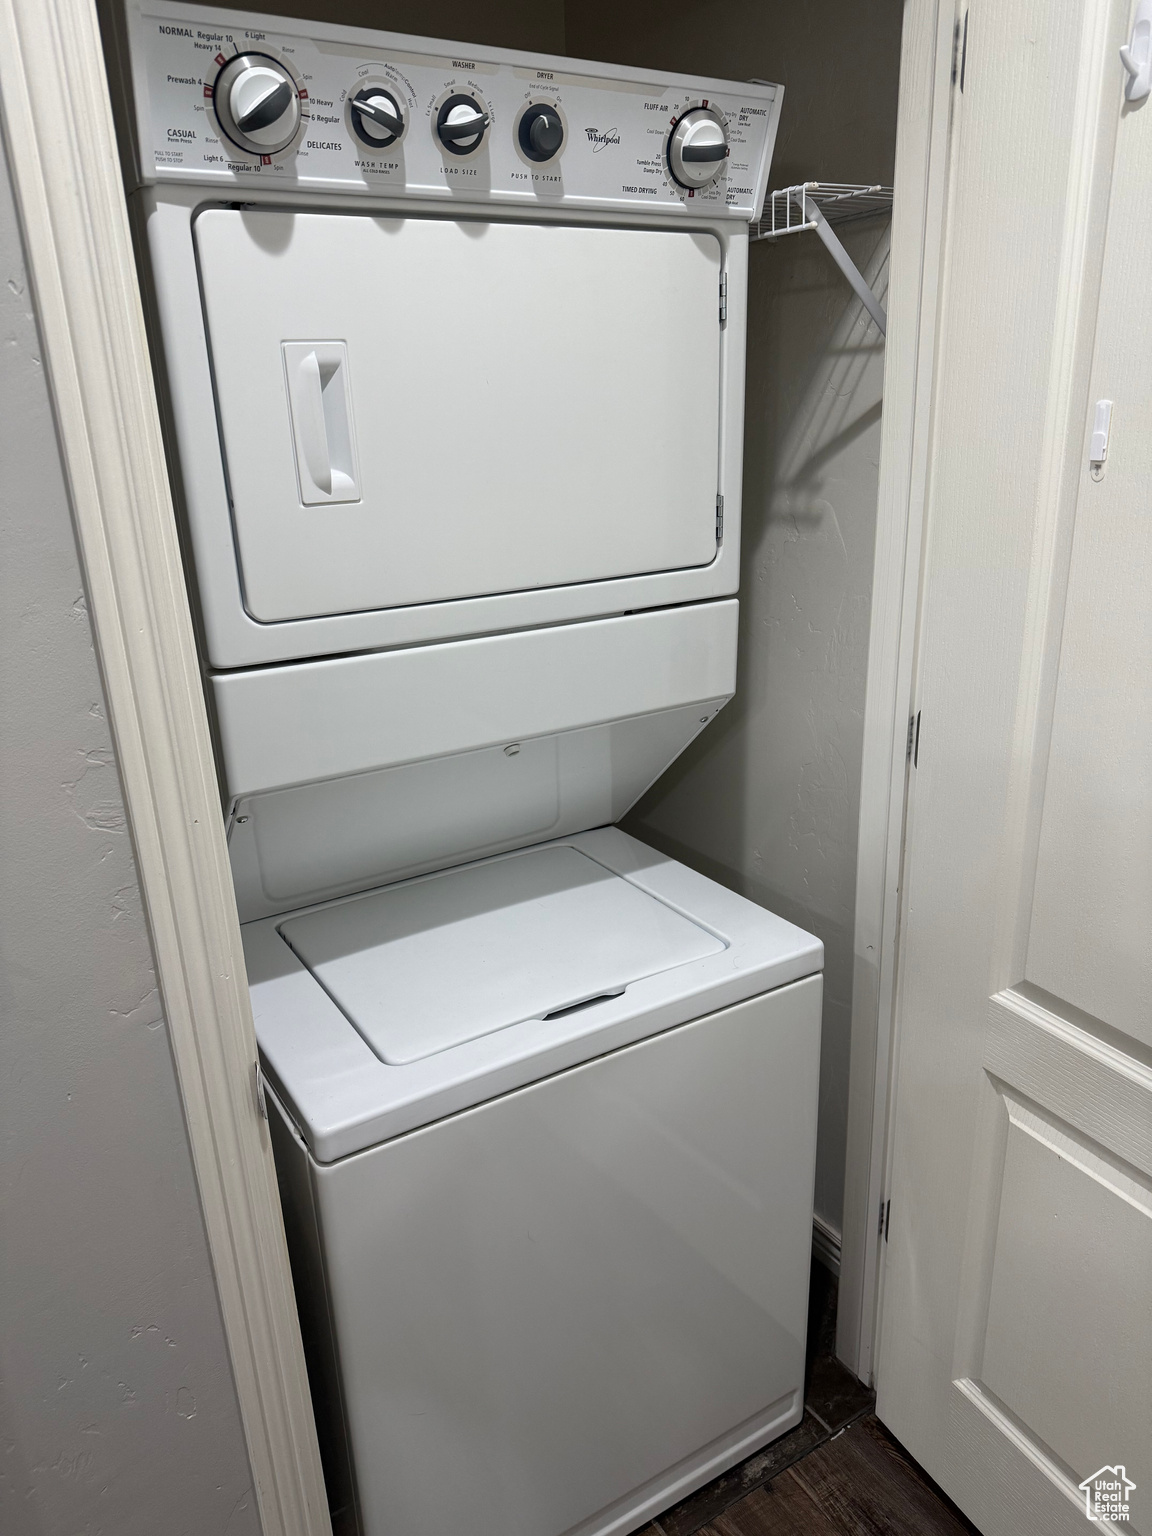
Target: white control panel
233, 98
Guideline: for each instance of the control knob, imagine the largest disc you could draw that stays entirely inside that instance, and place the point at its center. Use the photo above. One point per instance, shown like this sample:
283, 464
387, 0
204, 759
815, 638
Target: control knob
377, 116
697, 148
461, 124
257, 103
541, 132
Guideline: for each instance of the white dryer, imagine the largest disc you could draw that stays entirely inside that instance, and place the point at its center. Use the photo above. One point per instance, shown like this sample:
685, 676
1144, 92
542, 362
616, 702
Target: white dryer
452, 342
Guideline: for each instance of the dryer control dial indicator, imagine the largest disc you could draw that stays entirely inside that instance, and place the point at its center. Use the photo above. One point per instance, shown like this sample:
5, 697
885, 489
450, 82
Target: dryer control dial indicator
541, 132
461, 124
257, 103
697, 149
377, 116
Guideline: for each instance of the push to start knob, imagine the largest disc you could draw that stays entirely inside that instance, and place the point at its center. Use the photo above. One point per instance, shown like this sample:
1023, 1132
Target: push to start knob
377, 116
257, 103
541, 133
697, 148
461, 124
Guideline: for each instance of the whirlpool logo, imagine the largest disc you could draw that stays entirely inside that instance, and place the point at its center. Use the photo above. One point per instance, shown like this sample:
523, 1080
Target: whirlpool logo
601, 138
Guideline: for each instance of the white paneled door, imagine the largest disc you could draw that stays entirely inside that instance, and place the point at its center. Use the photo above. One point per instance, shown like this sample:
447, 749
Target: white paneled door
1015, 1356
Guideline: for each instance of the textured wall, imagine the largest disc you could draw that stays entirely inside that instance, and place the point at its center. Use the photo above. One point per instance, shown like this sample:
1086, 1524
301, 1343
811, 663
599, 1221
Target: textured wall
767, 800
118, 1415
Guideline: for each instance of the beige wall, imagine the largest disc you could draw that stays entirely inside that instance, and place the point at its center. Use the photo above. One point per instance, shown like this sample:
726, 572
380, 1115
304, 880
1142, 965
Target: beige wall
117, 1408
767, 801
502, 23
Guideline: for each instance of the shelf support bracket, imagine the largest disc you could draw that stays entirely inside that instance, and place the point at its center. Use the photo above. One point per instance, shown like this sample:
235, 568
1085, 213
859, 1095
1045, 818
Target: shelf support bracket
842, 259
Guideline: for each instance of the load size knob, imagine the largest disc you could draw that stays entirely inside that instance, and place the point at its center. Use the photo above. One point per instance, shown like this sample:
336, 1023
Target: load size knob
257, 103
377, 117
541, 132
461, 124
697, 149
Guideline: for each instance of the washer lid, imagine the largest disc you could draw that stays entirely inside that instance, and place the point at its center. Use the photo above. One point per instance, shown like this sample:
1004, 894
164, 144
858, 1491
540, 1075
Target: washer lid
345, 1097
425, 966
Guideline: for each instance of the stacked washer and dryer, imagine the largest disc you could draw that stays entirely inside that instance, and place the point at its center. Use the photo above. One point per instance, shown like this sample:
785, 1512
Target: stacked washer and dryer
452, 350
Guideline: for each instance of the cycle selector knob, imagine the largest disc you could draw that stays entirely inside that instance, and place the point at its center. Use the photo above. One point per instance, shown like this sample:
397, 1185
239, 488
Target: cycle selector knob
257, 103
697, 149
461, 124
541, 132
377, 117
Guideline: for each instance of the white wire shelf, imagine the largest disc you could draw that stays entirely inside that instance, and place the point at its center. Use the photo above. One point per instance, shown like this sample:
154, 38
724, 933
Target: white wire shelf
790, 210
819, 205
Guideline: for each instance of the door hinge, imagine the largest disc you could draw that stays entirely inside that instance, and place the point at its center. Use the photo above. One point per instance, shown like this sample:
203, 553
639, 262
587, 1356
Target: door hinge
719, 519
723, 298
258, 1081
885, 1212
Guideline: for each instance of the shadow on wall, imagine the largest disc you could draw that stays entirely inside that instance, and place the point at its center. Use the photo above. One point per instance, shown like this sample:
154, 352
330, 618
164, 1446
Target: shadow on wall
767, 800
811, 440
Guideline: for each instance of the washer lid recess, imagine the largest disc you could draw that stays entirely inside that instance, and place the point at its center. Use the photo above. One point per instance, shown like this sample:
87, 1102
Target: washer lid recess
427, 965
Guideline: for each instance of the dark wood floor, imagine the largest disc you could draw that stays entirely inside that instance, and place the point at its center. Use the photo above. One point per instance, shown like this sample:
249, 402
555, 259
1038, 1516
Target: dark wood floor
838, 1473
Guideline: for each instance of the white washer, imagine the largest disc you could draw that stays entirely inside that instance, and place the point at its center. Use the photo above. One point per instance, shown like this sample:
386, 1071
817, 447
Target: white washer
452, 345
546, 1145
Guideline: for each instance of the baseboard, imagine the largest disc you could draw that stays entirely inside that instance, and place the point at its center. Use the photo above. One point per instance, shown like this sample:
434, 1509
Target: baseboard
826, 1244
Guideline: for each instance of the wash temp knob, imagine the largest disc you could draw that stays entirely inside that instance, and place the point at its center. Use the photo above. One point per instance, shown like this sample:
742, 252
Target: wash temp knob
377, 116
697, 148
257, 103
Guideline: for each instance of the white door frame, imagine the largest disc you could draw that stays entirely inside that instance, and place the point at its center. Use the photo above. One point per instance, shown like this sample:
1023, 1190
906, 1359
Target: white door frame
930, 62
66, 171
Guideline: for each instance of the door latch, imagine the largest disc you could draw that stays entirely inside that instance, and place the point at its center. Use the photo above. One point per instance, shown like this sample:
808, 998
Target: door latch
1136, 54
1101, 428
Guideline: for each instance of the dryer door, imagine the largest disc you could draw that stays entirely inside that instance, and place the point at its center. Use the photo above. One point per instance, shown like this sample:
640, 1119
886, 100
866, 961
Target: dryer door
420, 409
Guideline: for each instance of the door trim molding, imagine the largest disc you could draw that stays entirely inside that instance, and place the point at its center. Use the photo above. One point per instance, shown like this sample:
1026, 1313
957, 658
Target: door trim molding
65, 168
920, 183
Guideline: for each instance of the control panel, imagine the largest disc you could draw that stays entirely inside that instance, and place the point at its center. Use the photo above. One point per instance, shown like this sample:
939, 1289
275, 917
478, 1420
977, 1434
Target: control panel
234, 98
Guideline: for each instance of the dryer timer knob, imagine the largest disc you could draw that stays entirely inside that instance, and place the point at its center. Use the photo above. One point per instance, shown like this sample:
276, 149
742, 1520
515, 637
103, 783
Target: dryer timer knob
697, 149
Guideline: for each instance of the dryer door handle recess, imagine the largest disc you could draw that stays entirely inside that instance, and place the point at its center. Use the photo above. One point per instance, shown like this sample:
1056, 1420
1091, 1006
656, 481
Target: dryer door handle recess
320, 405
